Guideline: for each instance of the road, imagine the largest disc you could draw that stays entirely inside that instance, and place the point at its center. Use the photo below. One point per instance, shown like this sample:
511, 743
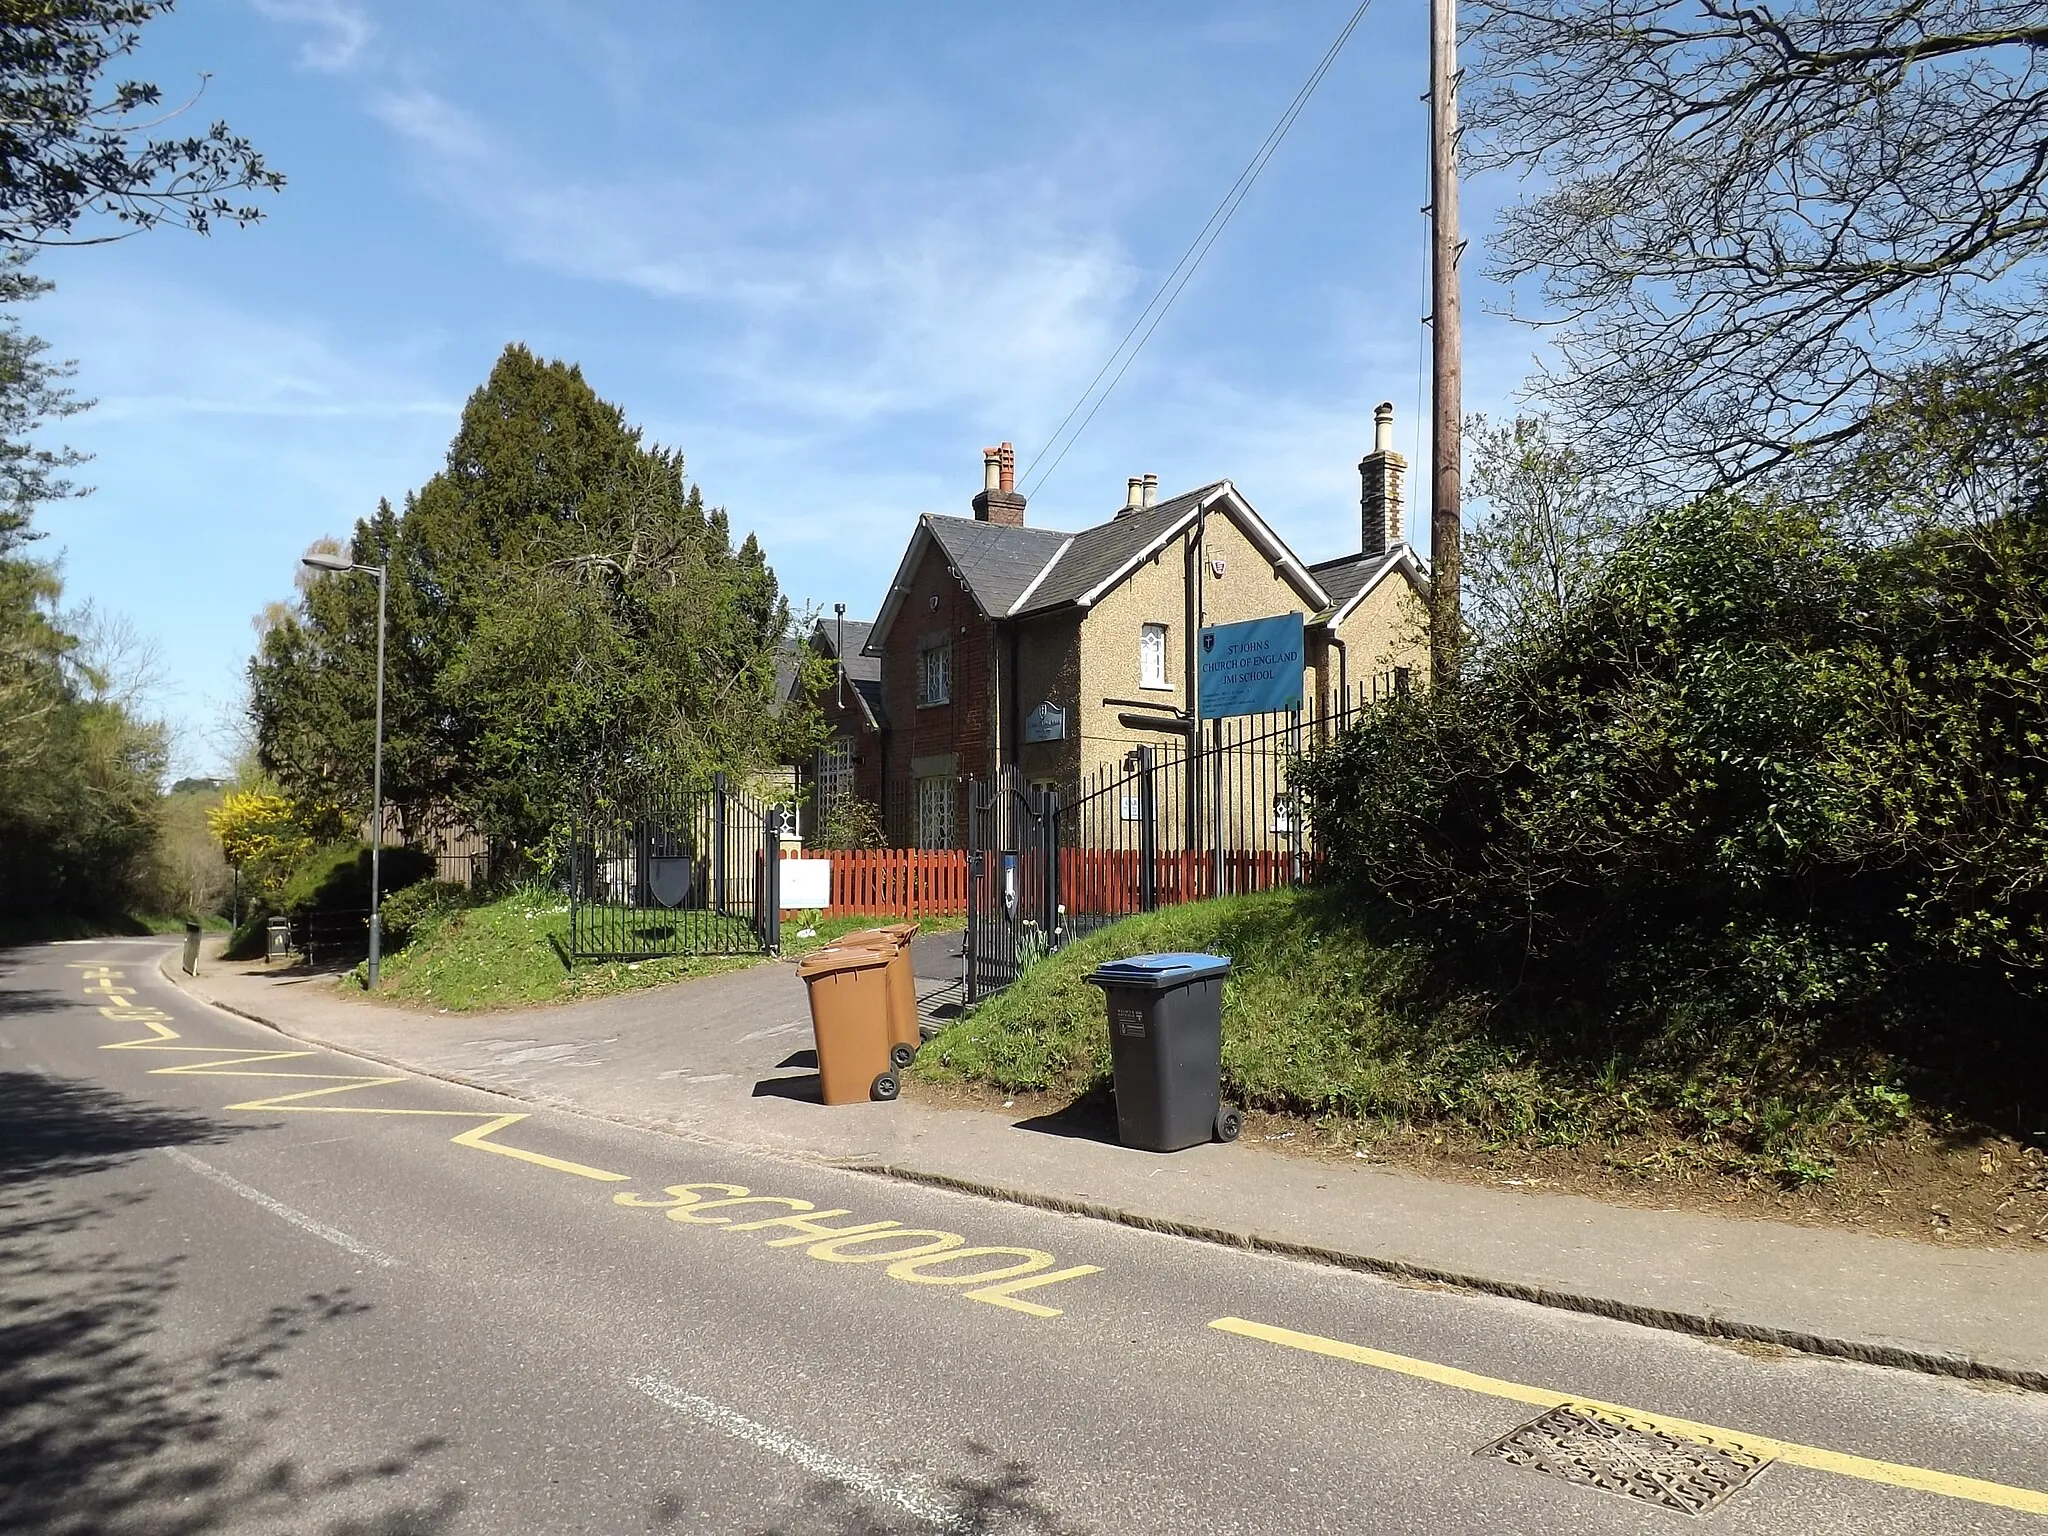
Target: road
247, 1286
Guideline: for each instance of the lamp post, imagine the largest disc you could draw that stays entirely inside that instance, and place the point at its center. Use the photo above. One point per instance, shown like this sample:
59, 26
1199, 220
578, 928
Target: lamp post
341, 563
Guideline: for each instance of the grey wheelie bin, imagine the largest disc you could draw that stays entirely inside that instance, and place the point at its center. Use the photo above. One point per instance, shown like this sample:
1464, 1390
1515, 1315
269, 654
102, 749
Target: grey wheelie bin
1166, 1049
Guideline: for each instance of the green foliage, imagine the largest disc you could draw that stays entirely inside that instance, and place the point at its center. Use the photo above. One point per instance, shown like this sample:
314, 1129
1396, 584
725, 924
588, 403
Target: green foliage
563, 608
409, 912
1770, 803
79, 769
75, 146
512, 952
851, 822
1320, 1019
336, 878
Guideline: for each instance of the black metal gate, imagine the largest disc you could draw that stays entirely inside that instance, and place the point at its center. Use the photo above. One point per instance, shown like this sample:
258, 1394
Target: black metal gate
665, 872
1012, 900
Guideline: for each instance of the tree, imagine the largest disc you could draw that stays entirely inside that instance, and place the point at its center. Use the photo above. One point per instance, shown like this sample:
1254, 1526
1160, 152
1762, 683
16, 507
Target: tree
1546, 524
32, 393
1753, 218
72, 147
565, 610
260, 835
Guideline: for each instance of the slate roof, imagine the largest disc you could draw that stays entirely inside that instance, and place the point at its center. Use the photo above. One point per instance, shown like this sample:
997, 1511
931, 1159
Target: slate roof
1098, 553
996, 561
870, 691
859, 668
1345, 577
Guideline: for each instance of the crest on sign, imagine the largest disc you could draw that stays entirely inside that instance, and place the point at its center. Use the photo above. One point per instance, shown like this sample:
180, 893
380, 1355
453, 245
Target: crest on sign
1048, 722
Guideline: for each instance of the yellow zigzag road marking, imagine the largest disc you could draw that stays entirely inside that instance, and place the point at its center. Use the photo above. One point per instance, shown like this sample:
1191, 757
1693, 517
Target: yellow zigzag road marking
161, 1035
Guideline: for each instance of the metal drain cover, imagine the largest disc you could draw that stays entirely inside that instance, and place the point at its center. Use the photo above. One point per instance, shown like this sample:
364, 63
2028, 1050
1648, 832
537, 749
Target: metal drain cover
1599, 1448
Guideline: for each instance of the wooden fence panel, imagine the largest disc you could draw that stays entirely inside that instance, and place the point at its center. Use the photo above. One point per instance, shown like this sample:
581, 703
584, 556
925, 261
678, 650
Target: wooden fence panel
894, 882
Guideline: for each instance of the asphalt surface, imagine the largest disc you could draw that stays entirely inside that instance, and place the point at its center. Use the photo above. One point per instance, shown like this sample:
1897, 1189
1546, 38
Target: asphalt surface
250, 1287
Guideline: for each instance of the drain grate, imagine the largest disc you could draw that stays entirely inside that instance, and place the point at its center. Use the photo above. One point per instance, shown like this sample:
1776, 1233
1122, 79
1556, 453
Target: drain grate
1599, 1448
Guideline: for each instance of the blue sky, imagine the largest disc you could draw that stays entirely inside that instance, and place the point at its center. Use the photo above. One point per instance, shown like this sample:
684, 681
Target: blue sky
828, 251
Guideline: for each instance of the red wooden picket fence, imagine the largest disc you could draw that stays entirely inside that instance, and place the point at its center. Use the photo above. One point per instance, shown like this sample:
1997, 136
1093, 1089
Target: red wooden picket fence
895, 882
919, 882
1111, 880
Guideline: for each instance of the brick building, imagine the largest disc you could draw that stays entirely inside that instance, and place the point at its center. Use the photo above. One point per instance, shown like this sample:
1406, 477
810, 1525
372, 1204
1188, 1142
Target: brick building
1002, 644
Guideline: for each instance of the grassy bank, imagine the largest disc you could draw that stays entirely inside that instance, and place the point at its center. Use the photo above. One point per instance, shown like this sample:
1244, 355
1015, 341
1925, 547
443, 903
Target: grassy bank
1322, 1023
513, 952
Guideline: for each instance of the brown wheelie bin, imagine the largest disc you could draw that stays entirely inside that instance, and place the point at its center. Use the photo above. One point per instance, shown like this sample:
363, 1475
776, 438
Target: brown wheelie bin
894, 940
849, 992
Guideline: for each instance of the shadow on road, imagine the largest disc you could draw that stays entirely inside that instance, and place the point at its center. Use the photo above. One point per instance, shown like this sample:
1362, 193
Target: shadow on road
107, 1427
52, 1126
998, 1497
17, 1001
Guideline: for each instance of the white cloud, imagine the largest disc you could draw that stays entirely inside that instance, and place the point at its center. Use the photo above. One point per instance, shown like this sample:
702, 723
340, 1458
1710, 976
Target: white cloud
340, 31
833, 288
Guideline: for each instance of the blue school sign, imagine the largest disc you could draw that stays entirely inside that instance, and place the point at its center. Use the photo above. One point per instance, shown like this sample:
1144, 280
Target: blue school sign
1251, 668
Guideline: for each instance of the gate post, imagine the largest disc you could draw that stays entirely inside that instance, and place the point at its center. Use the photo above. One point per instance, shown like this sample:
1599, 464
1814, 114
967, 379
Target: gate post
770, 884
1148, 835
718, 843
1049, 840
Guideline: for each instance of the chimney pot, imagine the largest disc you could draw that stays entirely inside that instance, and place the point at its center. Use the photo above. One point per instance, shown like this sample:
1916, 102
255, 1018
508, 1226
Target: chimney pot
1135, 495
1383, 427
1151, 491
997, 501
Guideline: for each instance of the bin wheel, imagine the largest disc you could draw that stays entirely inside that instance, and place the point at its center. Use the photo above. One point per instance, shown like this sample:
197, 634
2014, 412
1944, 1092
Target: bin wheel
885, 1087
902, 1055
1229, 1121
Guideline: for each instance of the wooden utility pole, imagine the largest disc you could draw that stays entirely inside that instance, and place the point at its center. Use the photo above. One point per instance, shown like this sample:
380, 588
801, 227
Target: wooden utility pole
1446, 430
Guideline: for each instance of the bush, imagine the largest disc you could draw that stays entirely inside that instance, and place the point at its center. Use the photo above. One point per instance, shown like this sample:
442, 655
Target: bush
851, 823
411, 911
336, 878
1769, 803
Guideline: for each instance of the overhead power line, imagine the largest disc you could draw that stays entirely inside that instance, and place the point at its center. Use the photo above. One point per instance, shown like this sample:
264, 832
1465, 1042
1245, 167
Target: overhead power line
1183, 270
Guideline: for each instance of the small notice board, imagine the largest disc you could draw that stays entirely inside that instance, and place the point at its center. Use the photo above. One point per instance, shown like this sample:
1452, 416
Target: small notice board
1253, 668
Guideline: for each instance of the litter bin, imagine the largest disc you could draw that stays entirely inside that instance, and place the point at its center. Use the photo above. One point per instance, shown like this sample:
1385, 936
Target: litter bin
894, 939
1166, 1049
277, 938
849, 993
190, 961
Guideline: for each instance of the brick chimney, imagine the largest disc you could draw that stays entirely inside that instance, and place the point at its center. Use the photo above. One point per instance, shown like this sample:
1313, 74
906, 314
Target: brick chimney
1382, 505
998, 501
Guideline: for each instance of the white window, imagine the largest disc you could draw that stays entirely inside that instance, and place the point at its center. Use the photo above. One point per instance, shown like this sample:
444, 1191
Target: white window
835, 773
937, 823
1152, 656
934, 674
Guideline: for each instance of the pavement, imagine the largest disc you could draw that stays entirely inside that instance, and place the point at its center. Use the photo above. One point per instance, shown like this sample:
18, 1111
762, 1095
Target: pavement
728, 1060
253, 1286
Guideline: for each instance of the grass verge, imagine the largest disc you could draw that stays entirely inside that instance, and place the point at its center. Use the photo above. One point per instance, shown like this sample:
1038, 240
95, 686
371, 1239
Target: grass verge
511, 953
1334, 1031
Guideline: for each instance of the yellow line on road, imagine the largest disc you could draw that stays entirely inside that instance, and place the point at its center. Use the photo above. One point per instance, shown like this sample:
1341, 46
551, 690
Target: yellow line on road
477, 1137
1920, 1479
225, 1065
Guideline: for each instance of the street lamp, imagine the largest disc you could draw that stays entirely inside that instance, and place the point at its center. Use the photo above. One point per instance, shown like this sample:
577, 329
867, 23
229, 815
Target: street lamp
343, 564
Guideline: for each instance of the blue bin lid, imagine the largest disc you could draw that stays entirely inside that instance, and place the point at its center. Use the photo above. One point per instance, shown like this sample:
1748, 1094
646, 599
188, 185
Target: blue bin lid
1159, 970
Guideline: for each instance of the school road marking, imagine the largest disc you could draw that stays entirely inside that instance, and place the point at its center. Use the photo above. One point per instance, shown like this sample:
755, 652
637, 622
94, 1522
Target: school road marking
1920, 1479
